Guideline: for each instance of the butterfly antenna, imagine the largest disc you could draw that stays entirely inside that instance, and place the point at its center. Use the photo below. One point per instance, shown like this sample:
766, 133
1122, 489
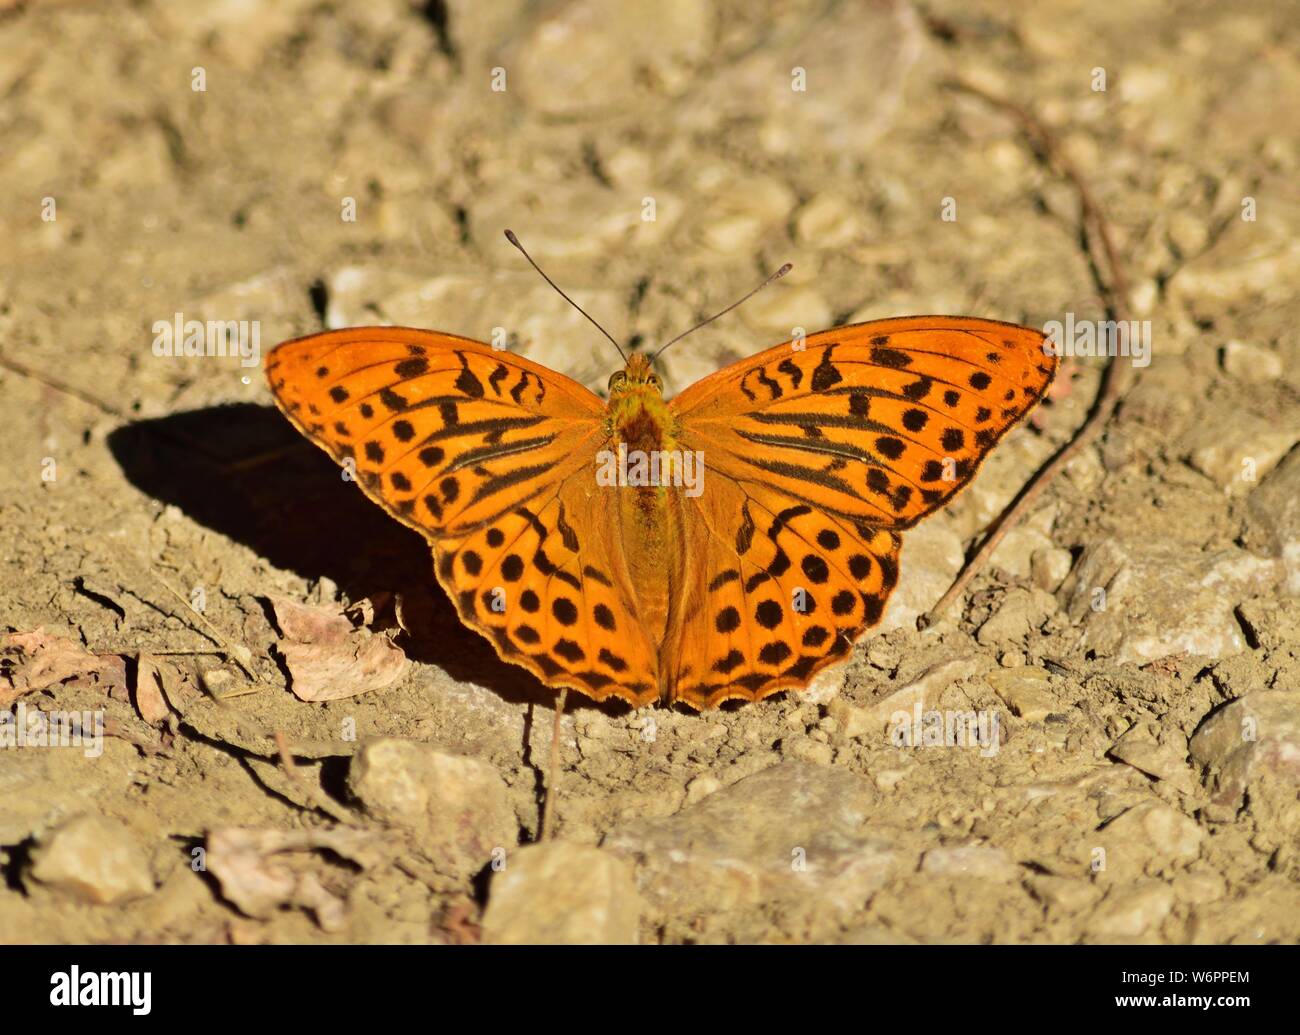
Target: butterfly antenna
510, 236
775, 276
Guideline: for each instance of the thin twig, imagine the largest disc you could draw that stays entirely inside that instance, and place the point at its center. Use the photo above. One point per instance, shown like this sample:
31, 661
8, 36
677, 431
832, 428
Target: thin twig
237, 653
171, 437
60, 386
192, 652
312, 794
1113, 283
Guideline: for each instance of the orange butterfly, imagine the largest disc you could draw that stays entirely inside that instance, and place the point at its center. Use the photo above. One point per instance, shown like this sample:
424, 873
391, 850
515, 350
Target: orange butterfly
757, 549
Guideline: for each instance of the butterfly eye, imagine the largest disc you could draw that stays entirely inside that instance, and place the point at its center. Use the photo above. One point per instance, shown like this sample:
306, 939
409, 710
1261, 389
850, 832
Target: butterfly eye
654, 380
617, 378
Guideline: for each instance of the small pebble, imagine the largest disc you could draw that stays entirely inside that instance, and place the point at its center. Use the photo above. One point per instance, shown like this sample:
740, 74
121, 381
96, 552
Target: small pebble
1251, 363
92, 858
559, 893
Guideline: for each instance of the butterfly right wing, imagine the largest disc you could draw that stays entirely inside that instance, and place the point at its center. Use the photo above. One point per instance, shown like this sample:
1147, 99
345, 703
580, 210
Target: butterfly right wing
880, 423
815, 458
492, 458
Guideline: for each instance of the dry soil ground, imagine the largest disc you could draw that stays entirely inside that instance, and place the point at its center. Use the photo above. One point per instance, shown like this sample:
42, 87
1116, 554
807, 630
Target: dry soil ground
197, 158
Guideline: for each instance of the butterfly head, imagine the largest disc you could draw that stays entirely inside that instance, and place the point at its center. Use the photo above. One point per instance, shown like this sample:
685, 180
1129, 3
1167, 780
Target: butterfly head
637, 378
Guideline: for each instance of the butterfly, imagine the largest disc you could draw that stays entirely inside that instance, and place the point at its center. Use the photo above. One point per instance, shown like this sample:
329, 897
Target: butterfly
727, 543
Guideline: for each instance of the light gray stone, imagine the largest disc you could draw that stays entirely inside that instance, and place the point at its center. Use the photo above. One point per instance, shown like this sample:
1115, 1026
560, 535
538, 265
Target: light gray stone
851, 720
1250, 750
584, 58
983, 862
1026, 690
881, 41
827, 221
931, 558
1140, 601
1239, 450
1130, 911
1064, 894
1163, 761
456, 805
1273, 519
556, 893
920, 694
92, 858
1049, 567
791, 834
1251, 363
1149, 839
1020, 612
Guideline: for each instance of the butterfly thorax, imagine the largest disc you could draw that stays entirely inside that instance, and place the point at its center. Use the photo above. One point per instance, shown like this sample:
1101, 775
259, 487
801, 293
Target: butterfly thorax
637, 415
640, 427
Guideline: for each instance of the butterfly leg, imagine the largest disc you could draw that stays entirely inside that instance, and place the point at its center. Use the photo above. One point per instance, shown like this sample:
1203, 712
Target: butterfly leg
548, 806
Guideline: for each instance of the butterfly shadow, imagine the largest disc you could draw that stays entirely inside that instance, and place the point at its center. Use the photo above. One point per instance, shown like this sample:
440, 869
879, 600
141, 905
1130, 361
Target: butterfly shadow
243, 472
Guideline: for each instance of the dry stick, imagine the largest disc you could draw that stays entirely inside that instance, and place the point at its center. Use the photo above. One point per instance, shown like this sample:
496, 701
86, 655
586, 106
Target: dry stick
60, 386
548, 807
158, 652
236, 653
312, 794
172, 436
1114, 286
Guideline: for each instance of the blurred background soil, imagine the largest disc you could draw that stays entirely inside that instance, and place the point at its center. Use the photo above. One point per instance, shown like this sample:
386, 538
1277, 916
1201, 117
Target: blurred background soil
659, 160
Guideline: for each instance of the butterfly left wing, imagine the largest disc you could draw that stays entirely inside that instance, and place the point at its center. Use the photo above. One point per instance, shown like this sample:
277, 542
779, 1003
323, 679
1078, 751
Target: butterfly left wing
491, 457
814, 459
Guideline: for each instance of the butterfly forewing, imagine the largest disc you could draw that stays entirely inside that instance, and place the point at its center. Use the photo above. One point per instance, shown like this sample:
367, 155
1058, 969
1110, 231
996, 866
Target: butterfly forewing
444, 432
881, 422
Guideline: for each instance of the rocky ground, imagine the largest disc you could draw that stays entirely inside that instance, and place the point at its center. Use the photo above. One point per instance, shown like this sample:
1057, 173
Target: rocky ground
172, 549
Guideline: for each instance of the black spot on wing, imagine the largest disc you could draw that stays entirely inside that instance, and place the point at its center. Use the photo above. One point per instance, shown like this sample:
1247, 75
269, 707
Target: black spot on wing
792, 371
825, 374
466, 381
409, 368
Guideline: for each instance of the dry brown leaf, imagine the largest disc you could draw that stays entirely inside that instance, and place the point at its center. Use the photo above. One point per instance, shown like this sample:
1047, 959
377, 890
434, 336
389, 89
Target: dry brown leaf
311, 623
327, 658
367, 608
367, 662
262, 871
149, 699
38, 660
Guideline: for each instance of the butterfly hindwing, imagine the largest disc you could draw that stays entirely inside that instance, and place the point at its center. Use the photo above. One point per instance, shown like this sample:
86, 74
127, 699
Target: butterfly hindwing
544, 585
786, 590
